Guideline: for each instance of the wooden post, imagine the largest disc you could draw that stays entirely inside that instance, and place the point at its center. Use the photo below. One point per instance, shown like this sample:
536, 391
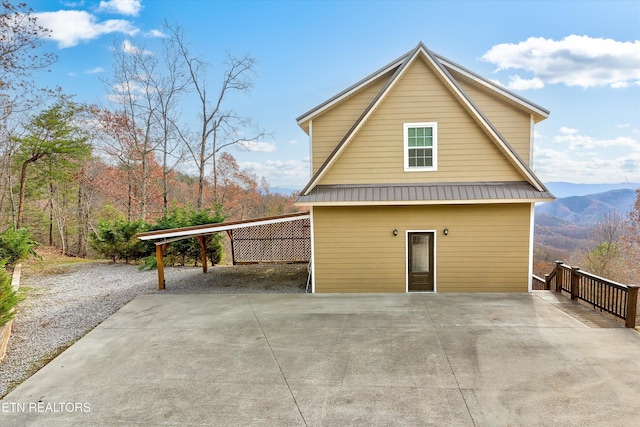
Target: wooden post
203, 252
632, 301
559, 276
575, 282
233, 254
547, 282
160, 261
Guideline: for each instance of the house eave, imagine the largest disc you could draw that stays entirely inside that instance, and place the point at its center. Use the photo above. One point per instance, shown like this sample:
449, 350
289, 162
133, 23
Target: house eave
426, 202
319, 109
539, 113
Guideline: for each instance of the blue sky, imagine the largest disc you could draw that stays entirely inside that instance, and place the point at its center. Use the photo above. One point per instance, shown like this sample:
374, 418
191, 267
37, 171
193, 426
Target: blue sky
578, 59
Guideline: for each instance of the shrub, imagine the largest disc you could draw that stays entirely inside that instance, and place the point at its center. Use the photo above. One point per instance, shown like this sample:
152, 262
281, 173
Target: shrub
117, 240
16, 245
8, 297
185, 250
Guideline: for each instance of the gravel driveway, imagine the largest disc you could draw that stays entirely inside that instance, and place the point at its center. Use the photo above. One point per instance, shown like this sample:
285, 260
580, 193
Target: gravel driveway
60, 308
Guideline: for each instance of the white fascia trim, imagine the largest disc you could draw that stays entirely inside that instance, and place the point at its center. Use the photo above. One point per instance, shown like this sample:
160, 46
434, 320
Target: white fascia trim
349, 92
463, 97
532, 124
406, 258
178, 235
423, 202
532, 216
311, 148
492, 86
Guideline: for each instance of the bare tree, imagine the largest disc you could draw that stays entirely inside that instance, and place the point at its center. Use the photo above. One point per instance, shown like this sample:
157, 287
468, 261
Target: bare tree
134, 94
604, 258
167, 83
146, 86
219, 127
115, 139
630, 245
20, 38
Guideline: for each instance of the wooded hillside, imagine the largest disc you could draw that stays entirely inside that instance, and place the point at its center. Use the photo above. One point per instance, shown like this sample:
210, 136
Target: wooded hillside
65, 166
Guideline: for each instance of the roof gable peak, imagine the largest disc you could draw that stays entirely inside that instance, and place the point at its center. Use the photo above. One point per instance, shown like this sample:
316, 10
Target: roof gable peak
447, 79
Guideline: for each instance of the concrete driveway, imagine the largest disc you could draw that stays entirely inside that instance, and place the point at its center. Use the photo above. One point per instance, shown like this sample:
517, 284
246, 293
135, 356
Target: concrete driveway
338, 360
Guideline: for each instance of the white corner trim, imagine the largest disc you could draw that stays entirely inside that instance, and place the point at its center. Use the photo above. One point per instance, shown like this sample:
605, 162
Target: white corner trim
313, 253
532, 217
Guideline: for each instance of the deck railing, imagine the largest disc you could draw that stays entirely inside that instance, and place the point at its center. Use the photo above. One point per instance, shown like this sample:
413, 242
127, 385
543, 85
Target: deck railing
604, 294
539, 284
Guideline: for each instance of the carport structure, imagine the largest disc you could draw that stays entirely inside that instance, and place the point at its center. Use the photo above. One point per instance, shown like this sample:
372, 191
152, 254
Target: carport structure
276, 239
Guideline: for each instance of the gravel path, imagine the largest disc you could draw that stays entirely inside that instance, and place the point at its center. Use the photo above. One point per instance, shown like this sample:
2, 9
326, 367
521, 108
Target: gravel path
60, 308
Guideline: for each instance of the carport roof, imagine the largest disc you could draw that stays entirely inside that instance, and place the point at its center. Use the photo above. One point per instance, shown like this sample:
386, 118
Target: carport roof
174, 234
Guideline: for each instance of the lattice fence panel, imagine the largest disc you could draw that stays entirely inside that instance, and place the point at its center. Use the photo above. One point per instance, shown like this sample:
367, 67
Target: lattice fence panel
281, 242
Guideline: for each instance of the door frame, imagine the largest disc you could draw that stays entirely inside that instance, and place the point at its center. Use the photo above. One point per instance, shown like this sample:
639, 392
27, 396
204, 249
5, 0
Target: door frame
406, 259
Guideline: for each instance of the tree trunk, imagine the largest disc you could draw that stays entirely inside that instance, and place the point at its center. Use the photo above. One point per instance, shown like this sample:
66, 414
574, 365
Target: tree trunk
80, 251
201, 167
23, 181
12, 200
50, 214
165, 186
129, 195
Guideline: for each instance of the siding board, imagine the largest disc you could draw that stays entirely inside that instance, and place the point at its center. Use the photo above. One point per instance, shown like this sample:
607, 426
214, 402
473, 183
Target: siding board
332, 125
512, 123
465, 152
486, 249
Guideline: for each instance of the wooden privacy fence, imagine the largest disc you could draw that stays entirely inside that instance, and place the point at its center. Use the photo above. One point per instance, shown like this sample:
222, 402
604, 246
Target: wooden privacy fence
608, 296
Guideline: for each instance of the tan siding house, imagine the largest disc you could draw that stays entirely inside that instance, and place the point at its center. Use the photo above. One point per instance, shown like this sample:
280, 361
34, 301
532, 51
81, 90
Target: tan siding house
422, 182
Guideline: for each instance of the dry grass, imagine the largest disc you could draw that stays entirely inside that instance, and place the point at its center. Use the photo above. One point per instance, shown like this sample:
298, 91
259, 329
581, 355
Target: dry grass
50, 261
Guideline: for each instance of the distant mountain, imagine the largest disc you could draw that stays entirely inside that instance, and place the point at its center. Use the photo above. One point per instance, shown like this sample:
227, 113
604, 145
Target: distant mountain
587, 210
556, 235
283, 191
564, 226
566, 189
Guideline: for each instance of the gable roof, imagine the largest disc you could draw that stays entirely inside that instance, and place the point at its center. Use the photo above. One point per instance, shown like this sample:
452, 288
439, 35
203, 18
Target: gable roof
539, 113
400, 65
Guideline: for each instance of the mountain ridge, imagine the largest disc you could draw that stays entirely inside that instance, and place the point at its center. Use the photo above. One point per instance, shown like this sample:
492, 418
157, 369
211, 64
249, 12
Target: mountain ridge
566, 189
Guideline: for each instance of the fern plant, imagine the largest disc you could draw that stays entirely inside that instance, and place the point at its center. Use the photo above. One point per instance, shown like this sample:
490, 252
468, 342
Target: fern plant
8, 297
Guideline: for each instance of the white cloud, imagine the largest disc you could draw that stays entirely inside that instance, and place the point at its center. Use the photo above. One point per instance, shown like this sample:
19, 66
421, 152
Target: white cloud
255, 146
288, 173
623, 125
568, 131
293, 141
125, 92
156, 33
584, 142
552, 165
574, 61
518, 83
122, 7
132, 49
70, 27
95, 70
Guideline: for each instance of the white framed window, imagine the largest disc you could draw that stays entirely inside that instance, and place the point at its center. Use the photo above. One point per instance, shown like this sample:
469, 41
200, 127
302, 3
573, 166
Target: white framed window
420, 146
